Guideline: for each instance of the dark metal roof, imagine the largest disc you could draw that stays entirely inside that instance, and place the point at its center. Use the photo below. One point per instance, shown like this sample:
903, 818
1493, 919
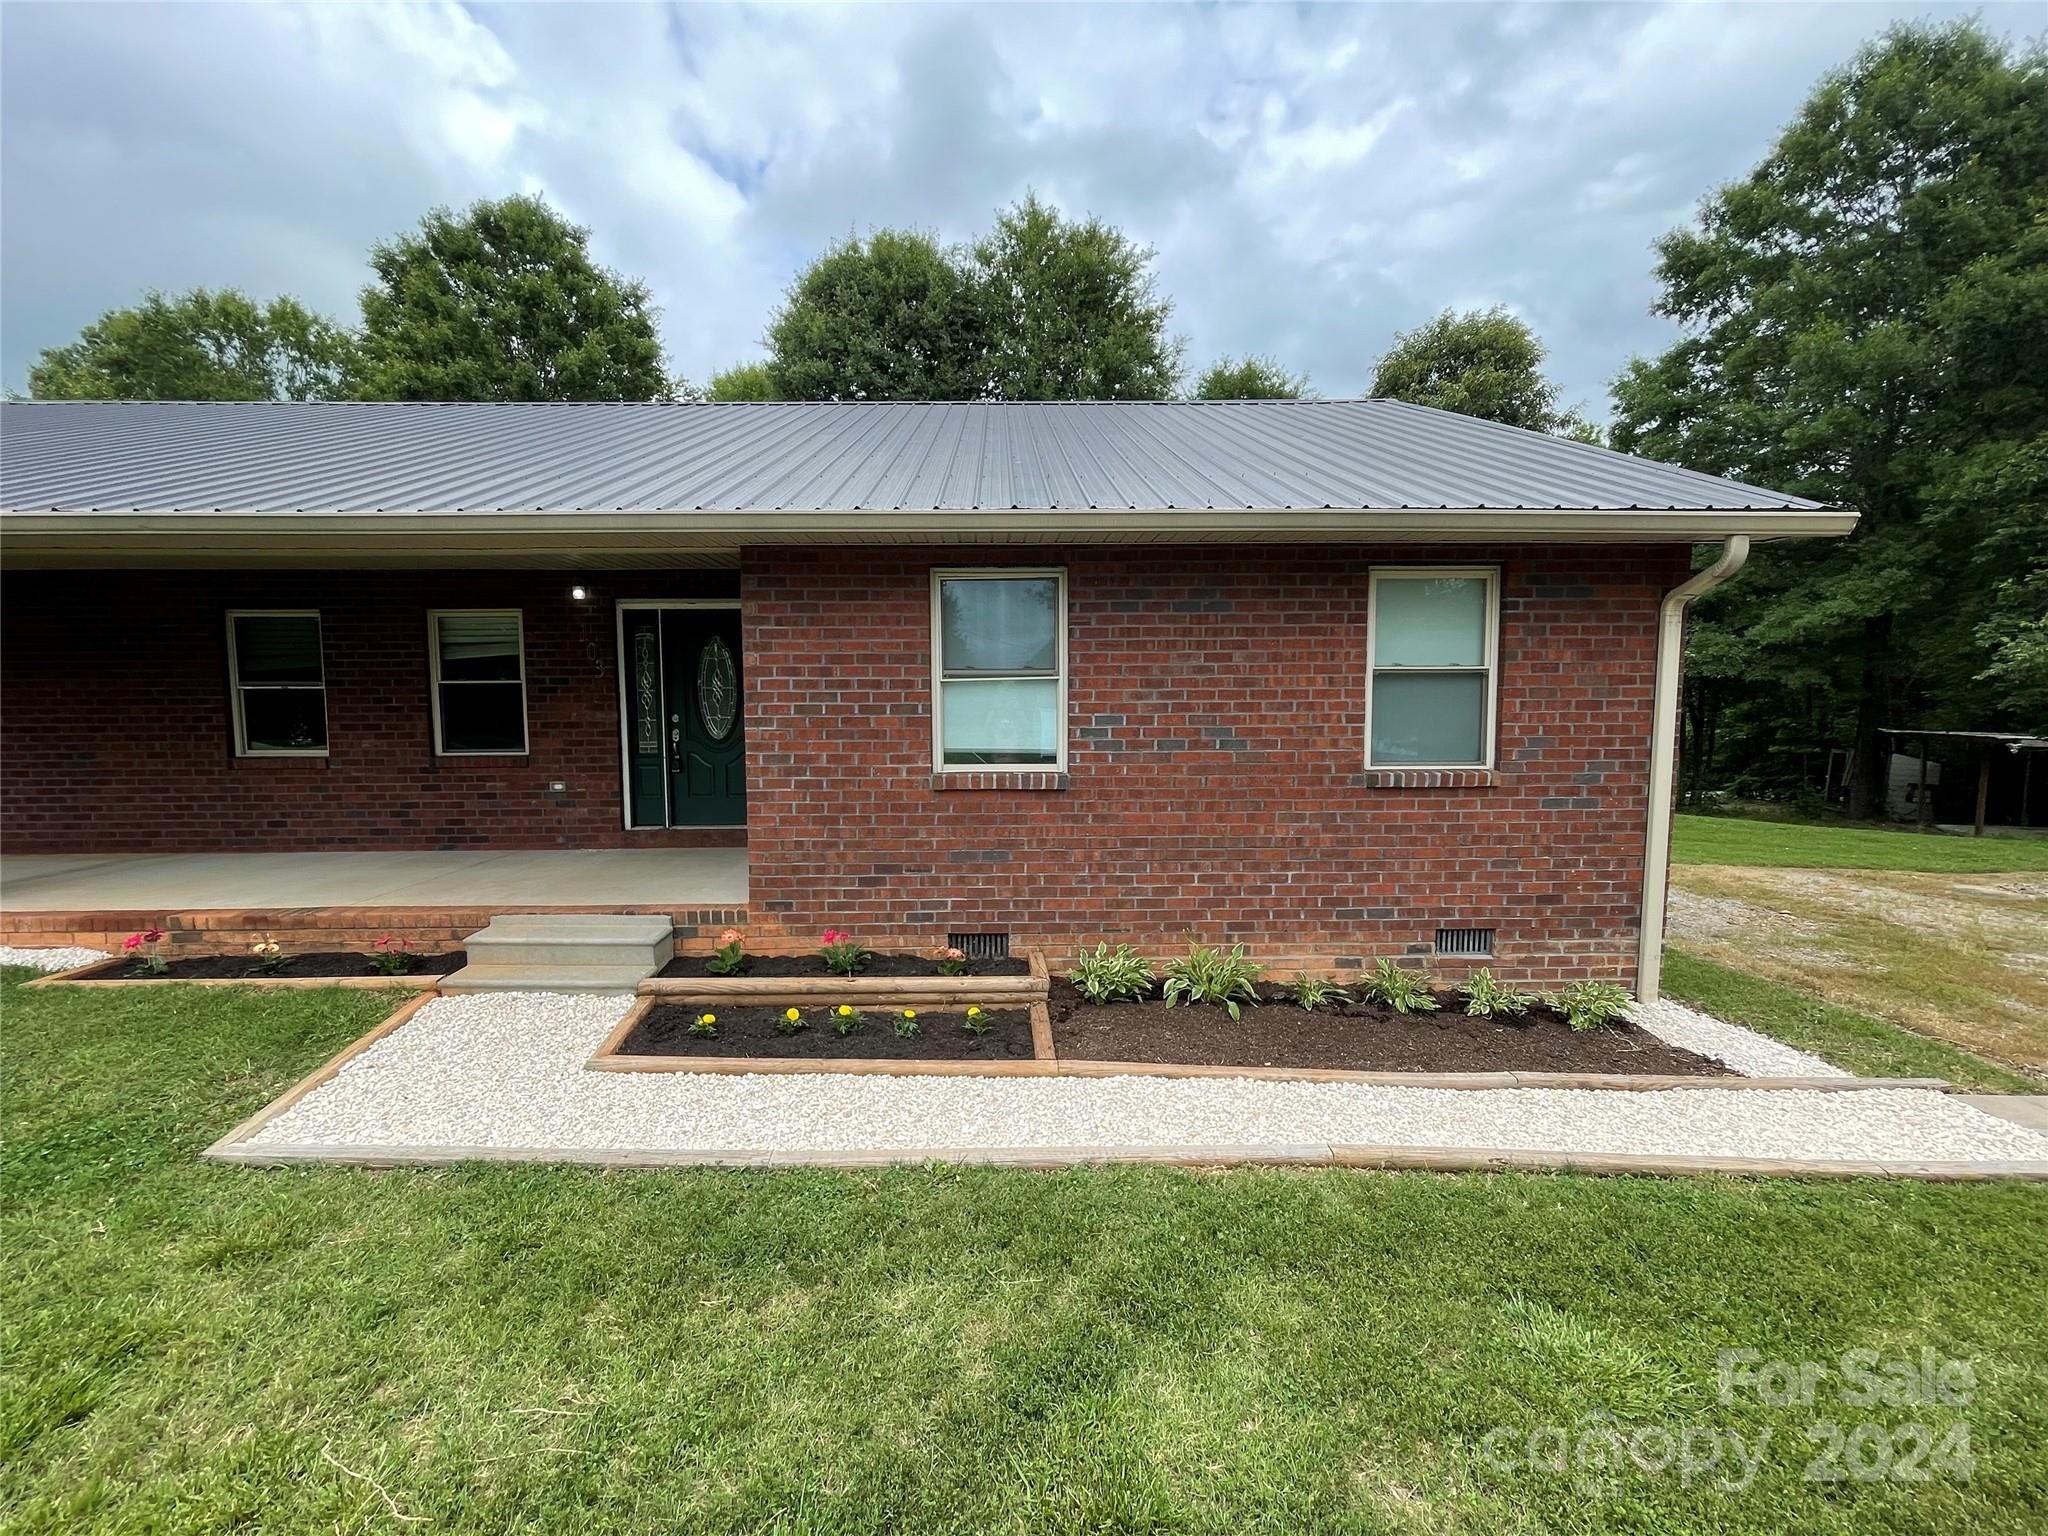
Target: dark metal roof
861, 456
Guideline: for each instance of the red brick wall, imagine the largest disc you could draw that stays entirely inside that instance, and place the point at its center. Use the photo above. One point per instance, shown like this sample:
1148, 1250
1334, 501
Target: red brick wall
1216, 743
118, 735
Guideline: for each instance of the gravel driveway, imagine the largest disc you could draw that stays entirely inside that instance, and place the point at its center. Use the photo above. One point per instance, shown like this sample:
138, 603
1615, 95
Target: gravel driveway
506, 1071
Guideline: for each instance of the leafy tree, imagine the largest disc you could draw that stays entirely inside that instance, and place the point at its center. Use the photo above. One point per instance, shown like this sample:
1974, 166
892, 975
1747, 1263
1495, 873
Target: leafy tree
503, 302
1485, 363
1252, 378
891, 317
743, 381
1866, 323
1072, 311
201, 345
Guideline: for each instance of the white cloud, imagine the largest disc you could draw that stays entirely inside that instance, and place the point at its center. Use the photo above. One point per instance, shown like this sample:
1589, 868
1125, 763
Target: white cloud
1313, 178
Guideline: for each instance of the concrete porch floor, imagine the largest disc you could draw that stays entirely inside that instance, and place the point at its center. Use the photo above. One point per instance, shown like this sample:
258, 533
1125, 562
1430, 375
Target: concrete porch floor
201, 882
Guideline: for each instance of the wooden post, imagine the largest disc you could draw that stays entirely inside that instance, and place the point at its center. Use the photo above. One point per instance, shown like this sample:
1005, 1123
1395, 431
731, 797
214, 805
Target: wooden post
1983, 793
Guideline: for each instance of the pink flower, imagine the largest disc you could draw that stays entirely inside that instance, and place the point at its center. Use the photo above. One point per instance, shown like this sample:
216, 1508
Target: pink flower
133, 941
952, 954
730, 936
833, 936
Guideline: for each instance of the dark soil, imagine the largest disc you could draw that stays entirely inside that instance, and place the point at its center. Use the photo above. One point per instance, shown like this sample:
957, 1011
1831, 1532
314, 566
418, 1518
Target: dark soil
882, 964
238, 967
664, 1030
1361, 1037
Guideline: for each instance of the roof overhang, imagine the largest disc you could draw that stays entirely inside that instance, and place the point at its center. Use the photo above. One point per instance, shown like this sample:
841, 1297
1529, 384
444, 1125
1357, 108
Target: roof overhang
190, 539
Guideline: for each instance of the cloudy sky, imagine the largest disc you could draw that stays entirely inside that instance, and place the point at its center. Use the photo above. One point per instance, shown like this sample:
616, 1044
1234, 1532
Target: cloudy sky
1314, 178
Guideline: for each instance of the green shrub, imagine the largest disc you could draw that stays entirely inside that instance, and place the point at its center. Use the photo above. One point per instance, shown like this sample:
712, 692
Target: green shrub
1589, 1004
1486, 998
1402, 991
1313, 992
1104, 977
1206, 975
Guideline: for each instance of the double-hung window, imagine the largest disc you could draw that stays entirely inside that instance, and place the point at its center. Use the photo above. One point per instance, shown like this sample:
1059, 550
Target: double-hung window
479, 678
1432, 634
999, 658
278, 683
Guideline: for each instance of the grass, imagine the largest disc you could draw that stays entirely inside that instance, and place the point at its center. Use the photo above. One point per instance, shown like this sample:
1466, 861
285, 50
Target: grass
1801, 845
190, 1347
1853, 1041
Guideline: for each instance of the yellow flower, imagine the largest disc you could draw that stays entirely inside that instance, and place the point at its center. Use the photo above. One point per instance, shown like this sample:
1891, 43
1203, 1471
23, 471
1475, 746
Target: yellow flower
910, 1013
709, 1018
845, 1011
974, 1013
792, 1015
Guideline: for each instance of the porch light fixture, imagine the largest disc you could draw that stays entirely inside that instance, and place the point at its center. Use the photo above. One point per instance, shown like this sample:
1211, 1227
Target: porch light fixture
578, 594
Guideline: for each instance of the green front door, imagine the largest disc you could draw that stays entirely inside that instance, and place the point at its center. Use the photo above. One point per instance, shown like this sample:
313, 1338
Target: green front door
686, 751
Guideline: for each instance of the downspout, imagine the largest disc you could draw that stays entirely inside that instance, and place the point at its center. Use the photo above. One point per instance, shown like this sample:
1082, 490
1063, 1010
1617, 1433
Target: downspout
1663, 749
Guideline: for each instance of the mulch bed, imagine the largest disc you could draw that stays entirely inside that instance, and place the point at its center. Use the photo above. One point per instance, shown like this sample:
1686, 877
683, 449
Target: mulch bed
664, 1030
882, 964
325, 963
1362, 1037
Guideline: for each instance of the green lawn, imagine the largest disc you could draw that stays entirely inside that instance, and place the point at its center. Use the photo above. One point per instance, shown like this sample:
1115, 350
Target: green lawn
189, 1347
1803, 845
1853, 1041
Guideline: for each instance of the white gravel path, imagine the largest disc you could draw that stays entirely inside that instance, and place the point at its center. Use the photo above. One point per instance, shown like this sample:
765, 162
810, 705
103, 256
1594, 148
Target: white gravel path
49, 960
1738, 1049
507, 1070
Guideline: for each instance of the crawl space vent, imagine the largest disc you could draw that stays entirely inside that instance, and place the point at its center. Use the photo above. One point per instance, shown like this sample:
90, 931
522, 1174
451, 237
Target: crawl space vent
1464, 941
980, 946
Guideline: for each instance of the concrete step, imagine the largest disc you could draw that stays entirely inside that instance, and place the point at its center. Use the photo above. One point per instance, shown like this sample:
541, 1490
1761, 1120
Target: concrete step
573, 940
564, 952
543, 978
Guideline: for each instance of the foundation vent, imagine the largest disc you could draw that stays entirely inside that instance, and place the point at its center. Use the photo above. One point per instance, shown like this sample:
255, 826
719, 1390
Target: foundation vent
980, 946
1466, 943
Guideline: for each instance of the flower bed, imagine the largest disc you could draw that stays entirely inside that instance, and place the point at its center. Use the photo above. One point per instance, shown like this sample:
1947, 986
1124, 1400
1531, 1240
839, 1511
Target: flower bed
842, 969
322, 965
1355, 1035
666, 1029
891, 963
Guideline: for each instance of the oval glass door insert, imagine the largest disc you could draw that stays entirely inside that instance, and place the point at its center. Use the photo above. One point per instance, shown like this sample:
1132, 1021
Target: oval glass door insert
718, 689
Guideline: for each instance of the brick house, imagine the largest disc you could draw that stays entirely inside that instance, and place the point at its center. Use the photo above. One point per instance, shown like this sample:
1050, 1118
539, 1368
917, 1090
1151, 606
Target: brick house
1335, 678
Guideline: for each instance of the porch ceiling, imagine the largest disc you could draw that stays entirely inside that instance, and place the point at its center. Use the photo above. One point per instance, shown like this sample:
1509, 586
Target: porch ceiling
201, 882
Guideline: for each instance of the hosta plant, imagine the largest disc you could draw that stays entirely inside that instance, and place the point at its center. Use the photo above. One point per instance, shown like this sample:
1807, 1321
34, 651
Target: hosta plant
1486, 998
844, 954
731, 955
1206, 975
1589, 1004
1313, 992
705, 1026
1402, 991
1106, 976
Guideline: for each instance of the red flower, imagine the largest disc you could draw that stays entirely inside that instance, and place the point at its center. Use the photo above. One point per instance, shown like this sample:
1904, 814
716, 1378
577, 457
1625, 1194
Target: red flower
153, 935
833, 936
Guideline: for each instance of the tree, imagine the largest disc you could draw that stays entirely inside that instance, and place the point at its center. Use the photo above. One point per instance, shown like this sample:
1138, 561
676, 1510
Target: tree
1253, 378
743, 381
1072, 311
891, 317
1484, 363
504, 303
201, 345
1865, 323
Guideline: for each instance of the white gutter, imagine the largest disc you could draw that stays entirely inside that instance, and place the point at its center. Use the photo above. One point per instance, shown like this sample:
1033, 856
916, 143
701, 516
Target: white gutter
1663, 744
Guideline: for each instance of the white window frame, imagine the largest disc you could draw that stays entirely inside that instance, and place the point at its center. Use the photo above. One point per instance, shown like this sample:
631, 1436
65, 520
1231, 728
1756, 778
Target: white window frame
434, 680
1056, 573
1489, 725
236, 687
